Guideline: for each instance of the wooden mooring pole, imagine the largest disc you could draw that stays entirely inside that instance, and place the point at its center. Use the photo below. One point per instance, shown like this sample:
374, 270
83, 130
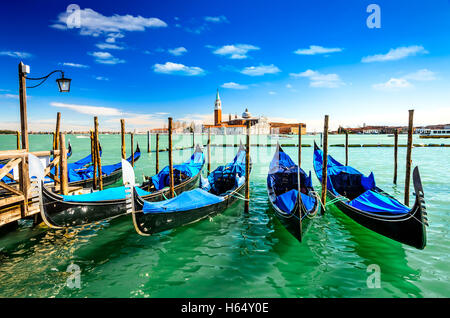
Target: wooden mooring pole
148, 140
324, 164
132, 149
172, 190
94, 160
56, 136
408, 155
157, 153
193, 137
395, 154
346, 147
63, 177
97, 154
18, 139
122, 132
209, 149
299, 199
247, 170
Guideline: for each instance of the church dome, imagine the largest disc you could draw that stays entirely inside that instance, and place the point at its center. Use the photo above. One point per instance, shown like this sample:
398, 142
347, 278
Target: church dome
246, 114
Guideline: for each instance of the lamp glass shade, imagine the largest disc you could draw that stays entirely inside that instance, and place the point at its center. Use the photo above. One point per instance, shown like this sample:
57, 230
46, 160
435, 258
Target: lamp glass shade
63, 84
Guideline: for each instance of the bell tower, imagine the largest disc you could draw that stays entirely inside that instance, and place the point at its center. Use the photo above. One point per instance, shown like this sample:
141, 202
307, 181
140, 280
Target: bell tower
217, 110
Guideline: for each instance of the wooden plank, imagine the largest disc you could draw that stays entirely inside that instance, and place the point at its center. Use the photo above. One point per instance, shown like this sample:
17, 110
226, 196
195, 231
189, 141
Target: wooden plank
11, 200
12, 154
50, 166
10, 165
10, 189
10, 215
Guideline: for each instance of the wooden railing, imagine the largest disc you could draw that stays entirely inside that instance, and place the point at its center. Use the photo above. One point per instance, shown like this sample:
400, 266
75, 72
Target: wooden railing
21, 191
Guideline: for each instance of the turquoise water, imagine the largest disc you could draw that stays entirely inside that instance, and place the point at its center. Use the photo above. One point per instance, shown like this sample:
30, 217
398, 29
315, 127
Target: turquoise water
234, 254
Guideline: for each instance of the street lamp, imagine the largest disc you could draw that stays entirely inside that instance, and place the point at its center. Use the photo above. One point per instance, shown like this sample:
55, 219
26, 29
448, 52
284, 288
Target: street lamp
63, 85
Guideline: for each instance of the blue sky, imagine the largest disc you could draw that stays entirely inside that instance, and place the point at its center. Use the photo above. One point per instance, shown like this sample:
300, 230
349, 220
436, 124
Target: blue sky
288, 60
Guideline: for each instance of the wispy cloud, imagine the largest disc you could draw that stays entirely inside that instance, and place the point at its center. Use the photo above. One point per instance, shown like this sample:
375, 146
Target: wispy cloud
218, 19
395, 54
234, 85
260, 70
316, 49
94, 24
109, 46
318, 79
178, 69
101, 78
197, 27
13, 96
394, 84
178, 51
106, 58
90, 110
20, 55
75, 65
235, 51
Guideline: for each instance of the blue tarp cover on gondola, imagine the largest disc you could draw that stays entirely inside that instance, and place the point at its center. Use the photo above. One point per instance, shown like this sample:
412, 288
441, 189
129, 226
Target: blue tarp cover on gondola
200, 197
371, 201
190, 168
88, 173
286, 201
116, 193
185, 201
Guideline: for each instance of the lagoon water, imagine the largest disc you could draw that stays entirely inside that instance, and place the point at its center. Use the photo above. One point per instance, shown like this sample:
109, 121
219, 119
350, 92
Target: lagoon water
234, 254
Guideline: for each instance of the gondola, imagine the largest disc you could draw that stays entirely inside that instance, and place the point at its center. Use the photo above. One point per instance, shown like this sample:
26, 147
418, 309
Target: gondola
359, 198
83, 177
60, 211
282, 189
222, 188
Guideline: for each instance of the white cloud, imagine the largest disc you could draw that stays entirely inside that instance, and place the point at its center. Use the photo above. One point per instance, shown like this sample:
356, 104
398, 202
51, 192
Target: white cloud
320, 80
106, 58
272, 93
404, 82
315, 49
235, 51
109, 46
218, 19
234, 85
177, 51
14, 96
260, 70
396, 54
101, 78
75, 65
20, 55
95, 24
178, 69
393, 84
421, 75
90, 110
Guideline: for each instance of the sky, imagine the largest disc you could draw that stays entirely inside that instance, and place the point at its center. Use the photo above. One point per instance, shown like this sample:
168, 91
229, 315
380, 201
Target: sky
291, 61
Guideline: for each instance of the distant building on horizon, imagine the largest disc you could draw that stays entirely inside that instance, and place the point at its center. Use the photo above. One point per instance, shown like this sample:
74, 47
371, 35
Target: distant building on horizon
237, 125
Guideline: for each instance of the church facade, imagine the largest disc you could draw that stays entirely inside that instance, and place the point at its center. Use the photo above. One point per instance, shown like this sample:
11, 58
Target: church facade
237, 125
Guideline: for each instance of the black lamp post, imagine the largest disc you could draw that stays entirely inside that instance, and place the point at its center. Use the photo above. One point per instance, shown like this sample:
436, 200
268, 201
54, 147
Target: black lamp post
63, 86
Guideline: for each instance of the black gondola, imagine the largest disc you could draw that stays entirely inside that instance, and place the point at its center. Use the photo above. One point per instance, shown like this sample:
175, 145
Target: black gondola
360, 199
282, 189
73, 210
223, 187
